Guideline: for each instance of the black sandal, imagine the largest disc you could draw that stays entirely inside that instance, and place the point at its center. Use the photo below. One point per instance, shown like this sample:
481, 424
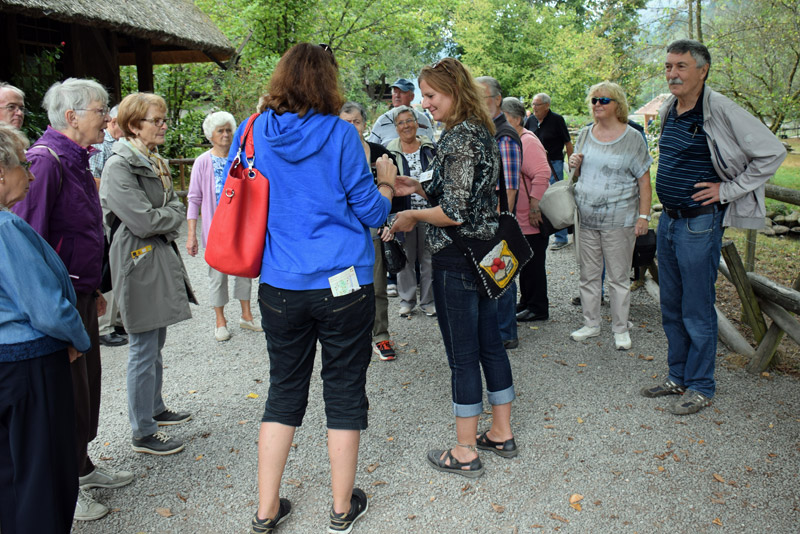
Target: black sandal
474, 468
506, 449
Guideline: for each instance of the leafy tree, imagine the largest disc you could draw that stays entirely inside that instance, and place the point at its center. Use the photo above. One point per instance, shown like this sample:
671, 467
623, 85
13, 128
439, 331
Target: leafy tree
755, 48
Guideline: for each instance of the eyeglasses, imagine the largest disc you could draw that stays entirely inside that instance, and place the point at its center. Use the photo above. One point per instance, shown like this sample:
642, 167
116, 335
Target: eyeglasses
26, 165
407, 121
100, 111
157, 122
444, 66
539, 104
13, 108
356, 122
603, 100
329, 50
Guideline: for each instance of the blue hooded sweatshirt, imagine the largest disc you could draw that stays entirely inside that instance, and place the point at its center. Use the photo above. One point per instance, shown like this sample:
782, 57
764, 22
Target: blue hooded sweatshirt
322, 199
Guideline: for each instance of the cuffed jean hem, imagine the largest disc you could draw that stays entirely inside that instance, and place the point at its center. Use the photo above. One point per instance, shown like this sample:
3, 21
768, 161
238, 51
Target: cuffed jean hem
467, 410
501, 397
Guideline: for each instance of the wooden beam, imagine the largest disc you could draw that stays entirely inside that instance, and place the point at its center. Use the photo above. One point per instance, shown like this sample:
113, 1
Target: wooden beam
144, 65
219, 63
751, 236
766, 349
782, 318
750, 307
788, 299
784, 194
235, 57
103, 45
732, 338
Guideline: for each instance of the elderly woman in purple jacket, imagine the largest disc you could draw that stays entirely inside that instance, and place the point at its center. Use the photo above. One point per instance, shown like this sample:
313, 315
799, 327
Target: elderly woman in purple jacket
205, 188
63, 207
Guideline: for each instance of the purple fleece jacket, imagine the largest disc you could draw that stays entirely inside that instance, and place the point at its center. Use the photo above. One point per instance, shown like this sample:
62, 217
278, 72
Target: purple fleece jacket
64, 208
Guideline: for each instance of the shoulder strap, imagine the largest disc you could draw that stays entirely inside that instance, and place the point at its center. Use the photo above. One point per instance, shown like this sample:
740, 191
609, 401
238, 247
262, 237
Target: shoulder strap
58, 160
578, 146
247, 140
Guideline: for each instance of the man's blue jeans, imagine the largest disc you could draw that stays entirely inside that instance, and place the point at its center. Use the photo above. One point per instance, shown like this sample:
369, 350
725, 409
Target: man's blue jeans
468, 323
688, 258
558, 166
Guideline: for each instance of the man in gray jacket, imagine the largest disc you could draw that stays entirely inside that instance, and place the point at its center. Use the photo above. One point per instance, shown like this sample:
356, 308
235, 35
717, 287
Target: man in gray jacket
714, 159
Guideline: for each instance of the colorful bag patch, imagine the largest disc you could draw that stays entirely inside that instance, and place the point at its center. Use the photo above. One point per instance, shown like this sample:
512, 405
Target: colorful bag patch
500, 264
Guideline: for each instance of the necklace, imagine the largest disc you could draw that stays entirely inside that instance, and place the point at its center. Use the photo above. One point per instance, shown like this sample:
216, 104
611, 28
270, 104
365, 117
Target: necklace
3, 207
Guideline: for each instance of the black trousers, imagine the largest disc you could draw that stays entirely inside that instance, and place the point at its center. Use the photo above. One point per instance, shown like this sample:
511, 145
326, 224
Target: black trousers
38, 474
533, 277
86, 385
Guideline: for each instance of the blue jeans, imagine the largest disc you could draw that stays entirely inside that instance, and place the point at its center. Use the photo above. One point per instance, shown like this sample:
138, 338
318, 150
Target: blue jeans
688, 258
293, 322
558, 166
507, 313
468, 323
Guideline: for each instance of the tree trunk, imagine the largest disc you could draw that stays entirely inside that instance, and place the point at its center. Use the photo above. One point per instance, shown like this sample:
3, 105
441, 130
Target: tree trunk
691, 19
699, 18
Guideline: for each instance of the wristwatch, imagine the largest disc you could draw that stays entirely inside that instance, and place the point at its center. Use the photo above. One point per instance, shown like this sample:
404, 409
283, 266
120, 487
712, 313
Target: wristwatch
645, 217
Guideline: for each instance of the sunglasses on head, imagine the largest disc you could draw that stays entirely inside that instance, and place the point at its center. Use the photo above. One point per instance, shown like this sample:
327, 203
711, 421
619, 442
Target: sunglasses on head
604, 100
444, 66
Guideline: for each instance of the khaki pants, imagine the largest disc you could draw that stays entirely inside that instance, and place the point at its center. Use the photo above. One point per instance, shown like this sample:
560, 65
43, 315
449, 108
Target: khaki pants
615, 247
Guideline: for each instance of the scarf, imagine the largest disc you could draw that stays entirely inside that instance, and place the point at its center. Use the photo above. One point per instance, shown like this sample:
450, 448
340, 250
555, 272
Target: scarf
158, 164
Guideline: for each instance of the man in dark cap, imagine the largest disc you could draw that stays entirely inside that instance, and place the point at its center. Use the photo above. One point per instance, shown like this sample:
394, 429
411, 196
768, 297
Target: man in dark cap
384, 130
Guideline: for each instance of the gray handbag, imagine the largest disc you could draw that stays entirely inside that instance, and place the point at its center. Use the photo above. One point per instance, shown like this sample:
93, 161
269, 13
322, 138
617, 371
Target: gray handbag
558, 201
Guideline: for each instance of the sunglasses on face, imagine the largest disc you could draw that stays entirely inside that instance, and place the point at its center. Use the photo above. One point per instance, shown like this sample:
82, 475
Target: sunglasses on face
604, 100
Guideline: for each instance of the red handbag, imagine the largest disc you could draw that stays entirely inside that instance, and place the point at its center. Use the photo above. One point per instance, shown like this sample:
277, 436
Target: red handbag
239, 227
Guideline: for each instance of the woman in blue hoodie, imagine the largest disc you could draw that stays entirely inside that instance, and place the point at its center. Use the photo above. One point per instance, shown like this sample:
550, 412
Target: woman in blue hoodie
41, 332
316, 275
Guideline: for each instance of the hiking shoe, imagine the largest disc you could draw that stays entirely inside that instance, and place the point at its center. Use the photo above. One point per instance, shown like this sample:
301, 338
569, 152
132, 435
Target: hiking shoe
385, 350
622, 340
159, 444
266, 526
405, 309
559, 246
690, 402
429, 309
171, 417
221, 333
585, 333
105, 478
88, 509
250, 325
343, 523
391, 290
667, 387
510, 344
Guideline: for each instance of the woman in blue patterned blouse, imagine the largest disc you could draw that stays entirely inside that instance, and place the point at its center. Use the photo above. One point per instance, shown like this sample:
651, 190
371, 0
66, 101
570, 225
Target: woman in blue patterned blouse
462, 190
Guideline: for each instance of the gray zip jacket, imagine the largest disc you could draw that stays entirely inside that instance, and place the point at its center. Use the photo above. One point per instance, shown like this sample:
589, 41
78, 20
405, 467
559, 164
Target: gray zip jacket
744, 153
150, 282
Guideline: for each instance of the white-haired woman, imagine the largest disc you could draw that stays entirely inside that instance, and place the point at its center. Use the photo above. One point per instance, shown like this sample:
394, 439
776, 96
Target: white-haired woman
63, 207
205, 188
613, 199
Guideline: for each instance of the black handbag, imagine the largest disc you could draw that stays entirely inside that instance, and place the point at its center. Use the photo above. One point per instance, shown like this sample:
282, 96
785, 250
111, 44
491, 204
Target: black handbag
394, 256
645, 249
496, 261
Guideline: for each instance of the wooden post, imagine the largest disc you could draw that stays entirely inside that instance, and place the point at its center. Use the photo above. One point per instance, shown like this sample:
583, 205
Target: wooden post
769, 344
144, 65
750, 250
750, 307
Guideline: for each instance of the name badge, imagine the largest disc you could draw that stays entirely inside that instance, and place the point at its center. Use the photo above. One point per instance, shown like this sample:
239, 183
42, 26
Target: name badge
344, 283
425, 176
139, 254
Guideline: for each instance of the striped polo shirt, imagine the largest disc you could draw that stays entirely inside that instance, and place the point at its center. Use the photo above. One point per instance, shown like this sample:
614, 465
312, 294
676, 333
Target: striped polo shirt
684, 158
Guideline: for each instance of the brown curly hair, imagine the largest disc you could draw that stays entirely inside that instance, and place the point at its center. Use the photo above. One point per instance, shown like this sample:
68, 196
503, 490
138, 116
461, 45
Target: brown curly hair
306, 77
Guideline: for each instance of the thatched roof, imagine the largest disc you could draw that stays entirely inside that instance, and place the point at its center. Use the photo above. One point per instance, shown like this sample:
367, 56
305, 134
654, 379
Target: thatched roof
173, 22
652, 107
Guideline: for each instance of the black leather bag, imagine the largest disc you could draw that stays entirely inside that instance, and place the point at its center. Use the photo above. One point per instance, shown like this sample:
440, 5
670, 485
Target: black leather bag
496, 261
645, 249
394, 256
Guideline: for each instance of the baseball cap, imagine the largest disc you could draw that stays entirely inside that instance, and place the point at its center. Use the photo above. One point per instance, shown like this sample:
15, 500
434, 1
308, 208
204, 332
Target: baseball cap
403, 84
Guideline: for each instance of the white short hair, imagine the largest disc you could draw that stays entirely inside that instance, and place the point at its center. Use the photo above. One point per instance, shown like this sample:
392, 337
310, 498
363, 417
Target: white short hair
72, 93
16, 90
215, 120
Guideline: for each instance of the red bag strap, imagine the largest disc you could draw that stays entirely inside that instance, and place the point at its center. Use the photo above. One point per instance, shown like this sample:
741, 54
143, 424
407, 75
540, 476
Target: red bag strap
247, 140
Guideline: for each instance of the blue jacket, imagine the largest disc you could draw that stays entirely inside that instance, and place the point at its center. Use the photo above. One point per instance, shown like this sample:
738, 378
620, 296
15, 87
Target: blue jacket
322, 202
37, 300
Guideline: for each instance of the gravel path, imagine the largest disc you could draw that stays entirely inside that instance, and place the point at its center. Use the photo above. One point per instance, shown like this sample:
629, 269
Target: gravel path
580, 423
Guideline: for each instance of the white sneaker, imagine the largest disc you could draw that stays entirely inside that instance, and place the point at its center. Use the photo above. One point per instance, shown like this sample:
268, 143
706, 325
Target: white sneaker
585, 333
391, 290
88, 509
622, 340
250, 325
221, 333
105, 478
405, 309
429, 309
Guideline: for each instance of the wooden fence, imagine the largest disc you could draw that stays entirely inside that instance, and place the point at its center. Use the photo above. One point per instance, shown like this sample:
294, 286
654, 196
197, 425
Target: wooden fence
182, 164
